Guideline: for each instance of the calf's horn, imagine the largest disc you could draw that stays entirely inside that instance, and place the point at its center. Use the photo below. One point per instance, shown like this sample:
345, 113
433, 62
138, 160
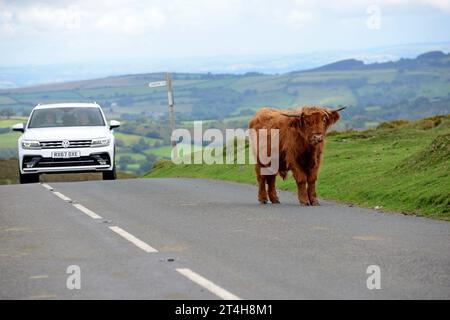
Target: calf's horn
340, 109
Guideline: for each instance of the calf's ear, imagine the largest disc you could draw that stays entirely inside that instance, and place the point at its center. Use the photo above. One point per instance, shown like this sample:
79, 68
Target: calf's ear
334, 115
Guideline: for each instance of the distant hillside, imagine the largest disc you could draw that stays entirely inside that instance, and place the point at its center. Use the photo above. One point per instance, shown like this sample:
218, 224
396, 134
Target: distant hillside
407, 88
433, 59
349, 64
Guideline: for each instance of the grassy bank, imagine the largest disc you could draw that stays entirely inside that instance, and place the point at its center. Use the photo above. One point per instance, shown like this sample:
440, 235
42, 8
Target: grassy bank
402, 166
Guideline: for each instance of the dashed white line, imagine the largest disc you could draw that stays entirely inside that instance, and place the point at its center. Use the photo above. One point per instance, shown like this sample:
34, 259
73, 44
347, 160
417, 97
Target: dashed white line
210, 286
61, 196
41, 276
139, 243
47, 186
85, 210
43, 296
80, 207
188, 273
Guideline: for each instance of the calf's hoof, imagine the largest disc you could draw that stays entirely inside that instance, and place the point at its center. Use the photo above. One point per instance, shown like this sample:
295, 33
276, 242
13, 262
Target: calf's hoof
315, 203
263, 201
275, 201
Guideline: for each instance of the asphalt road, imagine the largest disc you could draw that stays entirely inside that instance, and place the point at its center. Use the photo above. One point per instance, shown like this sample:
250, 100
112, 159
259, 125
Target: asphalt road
201, 239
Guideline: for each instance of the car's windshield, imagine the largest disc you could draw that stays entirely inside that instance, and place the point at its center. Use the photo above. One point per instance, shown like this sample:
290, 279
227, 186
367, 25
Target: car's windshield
66, 117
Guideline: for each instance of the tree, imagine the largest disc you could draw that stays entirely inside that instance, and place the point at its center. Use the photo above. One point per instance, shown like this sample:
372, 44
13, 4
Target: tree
140, 146
120, 143
124, 161
122, 166
26, 112
7, 112
150, 158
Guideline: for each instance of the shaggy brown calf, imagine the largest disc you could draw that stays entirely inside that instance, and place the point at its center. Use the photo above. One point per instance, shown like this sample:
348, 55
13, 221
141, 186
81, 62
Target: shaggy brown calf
301, 142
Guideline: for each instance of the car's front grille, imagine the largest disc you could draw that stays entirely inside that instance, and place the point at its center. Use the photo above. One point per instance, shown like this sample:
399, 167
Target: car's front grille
57, 144
92, 160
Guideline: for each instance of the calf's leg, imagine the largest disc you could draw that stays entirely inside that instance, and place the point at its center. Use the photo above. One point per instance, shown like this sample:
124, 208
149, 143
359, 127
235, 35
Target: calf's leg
312, 193
312, 178
262, 193
271, 180
300, 178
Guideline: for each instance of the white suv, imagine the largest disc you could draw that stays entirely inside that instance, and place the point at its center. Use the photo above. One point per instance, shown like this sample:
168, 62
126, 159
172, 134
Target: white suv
66, 138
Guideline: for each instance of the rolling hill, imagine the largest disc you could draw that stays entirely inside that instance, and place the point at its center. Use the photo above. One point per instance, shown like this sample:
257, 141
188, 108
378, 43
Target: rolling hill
377, 92
407, 88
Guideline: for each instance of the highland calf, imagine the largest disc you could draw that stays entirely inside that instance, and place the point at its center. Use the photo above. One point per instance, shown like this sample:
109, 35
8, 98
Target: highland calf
301, 143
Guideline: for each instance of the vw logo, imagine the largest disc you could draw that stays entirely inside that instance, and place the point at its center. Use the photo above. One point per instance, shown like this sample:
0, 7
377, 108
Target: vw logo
65, 143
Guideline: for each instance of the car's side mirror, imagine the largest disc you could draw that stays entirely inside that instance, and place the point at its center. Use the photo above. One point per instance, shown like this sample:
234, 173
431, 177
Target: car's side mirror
114, 124
18, 127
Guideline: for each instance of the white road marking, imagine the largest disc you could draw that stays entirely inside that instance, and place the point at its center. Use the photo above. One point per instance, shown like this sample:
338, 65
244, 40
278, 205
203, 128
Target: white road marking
43, 296
188, 273
47, 186
367, 238
85, 210
139, 243
210, 286
61, 196
41, 276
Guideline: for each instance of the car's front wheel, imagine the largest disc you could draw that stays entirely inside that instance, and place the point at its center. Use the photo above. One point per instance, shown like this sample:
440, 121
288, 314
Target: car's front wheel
110, 175
29, 178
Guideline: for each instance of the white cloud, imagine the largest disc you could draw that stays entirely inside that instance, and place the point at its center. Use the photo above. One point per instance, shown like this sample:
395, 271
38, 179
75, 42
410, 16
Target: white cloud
6, 25
443, 5
300, 18
85, 29
358, 6
130, 22
42, 17
113, 16
132, 16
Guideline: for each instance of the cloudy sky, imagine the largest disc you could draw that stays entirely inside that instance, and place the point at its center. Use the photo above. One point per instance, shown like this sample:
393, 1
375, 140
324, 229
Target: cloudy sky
77, 31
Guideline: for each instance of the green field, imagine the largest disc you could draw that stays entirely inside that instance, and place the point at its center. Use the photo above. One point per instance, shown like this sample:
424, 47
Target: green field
8, 123
9, 140
162, 152
166, 151
130, 139
401, 166
135, 156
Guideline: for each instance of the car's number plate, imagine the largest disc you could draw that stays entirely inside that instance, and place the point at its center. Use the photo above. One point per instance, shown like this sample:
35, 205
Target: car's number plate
66, 154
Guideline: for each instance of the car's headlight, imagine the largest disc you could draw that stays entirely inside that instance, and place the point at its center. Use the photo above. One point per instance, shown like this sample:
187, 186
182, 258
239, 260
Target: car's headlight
100, 142
31, 144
